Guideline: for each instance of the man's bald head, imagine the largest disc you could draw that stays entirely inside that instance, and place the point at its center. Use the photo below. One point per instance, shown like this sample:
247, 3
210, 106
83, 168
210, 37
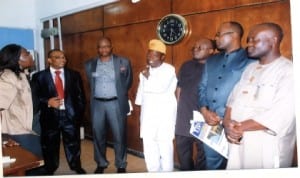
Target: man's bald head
274, 28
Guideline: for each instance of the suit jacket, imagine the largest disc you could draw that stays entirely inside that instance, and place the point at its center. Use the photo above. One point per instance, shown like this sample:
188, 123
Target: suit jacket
74, 96
123, 76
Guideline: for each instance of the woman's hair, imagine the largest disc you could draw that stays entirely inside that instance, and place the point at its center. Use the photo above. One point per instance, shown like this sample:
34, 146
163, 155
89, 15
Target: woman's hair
9, 58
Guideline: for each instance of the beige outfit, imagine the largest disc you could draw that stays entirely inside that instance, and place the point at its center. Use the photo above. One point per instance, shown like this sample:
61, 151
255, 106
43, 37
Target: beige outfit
265, 94
16, 100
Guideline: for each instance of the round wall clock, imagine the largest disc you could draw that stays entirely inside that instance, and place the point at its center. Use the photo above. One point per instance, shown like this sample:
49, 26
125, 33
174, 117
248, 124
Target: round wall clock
172, 28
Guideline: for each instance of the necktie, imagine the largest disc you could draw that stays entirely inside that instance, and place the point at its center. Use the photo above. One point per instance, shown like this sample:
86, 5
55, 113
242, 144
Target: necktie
59, 85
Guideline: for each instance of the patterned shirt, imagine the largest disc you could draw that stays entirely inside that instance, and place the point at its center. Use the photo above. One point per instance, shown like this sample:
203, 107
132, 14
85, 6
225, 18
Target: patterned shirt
105, 84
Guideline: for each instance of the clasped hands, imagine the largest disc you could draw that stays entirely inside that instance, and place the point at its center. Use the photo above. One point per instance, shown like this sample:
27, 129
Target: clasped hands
233, 131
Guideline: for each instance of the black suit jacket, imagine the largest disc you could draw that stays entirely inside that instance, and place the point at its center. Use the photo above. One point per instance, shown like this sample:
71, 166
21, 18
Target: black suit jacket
74, 97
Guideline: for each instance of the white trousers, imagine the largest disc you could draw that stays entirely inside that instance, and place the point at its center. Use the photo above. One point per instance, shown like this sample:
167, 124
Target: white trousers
158, 155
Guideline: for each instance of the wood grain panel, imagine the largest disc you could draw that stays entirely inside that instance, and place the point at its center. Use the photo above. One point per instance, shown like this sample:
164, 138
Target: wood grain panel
78, 49
201, 27
196, 6
125, 12
83, 21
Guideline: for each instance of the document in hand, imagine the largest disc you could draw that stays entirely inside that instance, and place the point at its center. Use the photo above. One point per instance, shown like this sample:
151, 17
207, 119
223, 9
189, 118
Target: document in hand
213, 136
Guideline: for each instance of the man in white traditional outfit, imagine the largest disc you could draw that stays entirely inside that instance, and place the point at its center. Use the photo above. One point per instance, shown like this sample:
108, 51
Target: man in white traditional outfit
156, 96
260, 118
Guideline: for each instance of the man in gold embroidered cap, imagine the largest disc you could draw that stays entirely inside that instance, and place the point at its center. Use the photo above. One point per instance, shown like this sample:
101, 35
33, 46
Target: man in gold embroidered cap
157, 45
156, 96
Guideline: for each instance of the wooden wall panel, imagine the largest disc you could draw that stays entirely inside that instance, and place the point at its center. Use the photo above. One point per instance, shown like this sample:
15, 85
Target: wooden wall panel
201, 27
196, 6
82, 22
124, 12
78, 49
88, 50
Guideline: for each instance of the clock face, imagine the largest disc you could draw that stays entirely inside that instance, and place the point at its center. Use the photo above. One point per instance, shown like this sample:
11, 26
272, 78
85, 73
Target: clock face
172, 28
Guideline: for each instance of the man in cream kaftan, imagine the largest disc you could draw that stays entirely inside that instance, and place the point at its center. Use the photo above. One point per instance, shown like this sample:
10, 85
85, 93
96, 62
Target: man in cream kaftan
260, 115
264, 93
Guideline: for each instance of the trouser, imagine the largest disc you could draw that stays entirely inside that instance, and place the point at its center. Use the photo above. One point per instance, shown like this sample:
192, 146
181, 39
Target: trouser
184, 147
213, 159
158, 154
50, 138
108, 113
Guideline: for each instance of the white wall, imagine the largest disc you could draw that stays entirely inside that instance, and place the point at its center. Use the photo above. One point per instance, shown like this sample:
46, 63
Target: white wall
29, 14
18, 13
48, 8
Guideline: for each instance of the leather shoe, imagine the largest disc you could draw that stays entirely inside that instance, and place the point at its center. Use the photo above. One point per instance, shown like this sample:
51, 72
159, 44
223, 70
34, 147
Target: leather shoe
80, 171
121, 170
99, 170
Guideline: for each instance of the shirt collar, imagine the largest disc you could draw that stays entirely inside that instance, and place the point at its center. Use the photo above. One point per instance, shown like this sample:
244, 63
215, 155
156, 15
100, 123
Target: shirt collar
52, 70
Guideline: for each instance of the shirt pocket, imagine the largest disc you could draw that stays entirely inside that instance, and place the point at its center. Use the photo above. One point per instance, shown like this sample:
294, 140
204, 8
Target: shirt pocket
264, 95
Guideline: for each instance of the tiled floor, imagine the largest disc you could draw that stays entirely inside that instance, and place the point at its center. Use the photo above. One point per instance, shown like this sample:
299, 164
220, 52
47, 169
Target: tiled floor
135, 164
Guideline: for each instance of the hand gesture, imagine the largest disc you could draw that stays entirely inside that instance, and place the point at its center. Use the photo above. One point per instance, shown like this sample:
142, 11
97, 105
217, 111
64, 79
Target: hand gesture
146, 72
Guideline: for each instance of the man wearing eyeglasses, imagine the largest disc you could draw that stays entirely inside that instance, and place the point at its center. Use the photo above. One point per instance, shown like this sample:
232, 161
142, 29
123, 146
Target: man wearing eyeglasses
220, 74
61, 99
187, 98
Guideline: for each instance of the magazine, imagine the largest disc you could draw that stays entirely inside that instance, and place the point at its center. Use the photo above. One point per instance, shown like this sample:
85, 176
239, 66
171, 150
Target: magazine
213, 136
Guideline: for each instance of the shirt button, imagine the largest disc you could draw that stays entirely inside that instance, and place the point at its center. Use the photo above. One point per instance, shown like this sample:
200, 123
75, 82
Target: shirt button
219, 77
213, 101
223, 65
216, 89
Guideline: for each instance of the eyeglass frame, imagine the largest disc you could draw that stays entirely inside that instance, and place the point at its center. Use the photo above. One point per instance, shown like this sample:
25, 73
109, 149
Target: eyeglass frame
219, 35
199, 48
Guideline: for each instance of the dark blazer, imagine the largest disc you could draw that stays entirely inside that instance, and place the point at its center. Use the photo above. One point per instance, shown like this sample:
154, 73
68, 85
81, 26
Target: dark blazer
74, 96
123, 76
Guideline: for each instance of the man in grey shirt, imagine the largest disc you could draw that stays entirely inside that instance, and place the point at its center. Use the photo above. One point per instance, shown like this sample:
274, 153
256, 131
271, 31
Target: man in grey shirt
110, 77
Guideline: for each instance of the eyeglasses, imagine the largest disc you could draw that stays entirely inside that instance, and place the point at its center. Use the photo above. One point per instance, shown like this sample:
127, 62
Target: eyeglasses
57, 57
198, 48
105, 46
222, 34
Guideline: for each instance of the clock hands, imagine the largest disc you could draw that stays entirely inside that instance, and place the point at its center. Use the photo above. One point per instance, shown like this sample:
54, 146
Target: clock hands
172, 32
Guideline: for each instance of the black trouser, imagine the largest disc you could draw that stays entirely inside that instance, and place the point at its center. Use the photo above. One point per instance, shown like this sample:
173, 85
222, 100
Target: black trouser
184, 146
50, 139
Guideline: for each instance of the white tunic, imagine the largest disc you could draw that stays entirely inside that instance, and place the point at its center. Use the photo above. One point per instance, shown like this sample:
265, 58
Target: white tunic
265, 94
156, 95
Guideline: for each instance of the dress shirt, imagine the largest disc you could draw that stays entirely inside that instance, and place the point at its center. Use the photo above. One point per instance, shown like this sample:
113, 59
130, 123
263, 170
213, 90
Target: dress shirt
105, 84
221, 72
62, 77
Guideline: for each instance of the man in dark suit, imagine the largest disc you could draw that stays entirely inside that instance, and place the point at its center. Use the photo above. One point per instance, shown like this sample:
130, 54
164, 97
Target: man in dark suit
61, 110
110, 77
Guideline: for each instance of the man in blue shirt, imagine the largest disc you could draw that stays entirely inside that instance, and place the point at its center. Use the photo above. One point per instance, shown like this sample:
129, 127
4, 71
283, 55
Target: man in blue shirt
221, 72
